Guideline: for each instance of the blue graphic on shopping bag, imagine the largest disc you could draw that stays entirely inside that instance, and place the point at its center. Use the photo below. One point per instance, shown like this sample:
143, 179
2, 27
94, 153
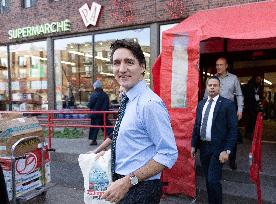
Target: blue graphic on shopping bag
98, 182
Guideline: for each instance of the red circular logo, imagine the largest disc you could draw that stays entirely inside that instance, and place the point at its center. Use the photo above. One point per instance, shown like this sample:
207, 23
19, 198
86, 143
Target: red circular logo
28, 165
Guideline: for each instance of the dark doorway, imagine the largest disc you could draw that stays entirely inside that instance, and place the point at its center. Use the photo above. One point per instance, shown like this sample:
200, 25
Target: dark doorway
246, 58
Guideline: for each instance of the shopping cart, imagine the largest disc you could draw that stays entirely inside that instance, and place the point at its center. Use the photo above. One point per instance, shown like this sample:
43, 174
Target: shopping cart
27, 173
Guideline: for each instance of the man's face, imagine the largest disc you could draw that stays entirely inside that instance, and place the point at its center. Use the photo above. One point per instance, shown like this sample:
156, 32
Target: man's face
258, 80
213, 87
126, 68
221, 66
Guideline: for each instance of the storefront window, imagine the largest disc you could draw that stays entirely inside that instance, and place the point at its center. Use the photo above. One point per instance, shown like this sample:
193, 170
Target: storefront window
4, 96
29, 76
102, 56
73, 71
3, 6
28, 3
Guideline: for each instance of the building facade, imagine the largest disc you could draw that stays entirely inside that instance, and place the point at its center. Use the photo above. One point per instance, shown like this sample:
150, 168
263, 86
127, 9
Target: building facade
51, 51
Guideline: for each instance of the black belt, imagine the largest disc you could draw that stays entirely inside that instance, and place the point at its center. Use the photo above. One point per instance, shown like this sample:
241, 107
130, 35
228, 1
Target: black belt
119, 176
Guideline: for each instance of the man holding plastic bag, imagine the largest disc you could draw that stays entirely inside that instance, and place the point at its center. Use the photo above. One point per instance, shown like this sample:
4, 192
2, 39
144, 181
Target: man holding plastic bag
143, 142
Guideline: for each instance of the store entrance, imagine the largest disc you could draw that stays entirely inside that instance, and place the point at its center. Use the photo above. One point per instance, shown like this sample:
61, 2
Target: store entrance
246, 64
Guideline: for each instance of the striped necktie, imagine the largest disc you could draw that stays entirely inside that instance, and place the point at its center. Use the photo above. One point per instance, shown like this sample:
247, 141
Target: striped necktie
204, 121
116, 131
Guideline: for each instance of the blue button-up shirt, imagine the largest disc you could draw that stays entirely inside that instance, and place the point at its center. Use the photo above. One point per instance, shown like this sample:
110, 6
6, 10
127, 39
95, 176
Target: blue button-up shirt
145, 132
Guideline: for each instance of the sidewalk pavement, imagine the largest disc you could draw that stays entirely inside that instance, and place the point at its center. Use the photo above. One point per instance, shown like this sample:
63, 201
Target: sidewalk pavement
73, 146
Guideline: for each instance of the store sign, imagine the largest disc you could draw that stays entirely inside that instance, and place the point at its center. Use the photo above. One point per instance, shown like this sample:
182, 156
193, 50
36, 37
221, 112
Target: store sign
54, 27
90, 16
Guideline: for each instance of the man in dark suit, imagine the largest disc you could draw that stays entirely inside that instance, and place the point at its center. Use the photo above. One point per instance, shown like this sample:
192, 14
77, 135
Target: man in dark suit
215, 135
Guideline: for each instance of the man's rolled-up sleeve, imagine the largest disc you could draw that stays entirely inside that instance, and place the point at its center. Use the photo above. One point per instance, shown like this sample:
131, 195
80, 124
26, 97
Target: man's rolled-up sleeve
159, 128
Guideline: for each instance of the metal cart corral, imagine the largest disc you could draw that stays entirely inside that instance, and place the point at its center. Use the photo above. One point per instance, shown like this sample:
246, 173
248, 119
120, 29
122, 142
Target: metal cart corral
18, 154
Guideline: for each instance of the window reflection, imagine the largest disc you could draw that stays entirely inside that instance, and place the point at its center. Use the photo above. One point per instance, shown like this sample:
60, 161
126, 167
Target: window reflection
74, 72
3, 6
28, 3
29, 76
73, 66
4, 102
103, 68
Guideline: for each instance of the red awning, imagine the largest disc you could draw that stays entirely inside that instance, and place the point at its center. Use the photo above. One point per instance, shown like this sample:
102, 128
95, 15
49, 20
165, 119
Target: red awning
176, 75
246, 21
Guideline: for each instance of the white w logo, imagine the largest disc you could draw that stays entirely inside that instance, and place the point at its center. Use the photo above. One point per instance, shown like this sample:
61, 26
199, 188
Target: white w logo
90, 16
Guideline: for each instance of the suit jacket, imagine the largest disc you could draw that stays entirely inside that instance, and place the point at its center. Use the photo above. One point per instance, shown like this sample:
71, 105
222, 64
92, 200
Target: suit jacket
224, 125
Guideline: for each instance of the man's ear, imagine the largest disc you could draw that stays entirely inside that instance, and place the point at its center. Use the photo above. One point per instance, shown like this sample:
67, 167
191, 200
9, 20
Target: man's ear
143, 69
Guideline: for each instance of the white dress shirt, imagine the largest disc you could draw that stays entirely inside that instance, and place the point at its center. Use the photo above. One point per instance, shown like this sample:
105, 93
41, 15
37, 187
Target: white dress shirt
210, 117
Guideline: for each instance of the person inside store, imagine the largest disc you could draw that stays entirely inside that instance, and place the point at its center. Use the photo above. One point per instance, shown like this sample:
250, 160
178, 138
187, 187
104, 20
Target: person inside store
3, 190
230, 88
71, 102
252, 92
143, 142
65, 102
215, 135
99, 101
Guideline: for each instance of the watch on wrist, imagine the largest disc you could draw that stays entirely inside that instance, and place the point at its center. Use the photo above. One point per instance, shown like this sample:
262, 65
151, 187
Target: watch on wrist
133, 179
228, 151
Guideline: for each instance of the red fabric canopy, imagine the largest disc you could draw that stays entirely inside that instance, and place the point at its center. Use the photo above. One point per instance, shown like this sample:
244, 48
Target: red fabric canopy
176, 75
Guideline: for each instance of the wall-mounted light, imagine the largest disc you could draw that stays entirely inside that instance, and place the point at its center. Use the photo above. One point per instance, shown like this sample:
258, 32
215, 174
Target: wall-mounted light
208, 74
107, 74
76, 53
267, 82
68, 63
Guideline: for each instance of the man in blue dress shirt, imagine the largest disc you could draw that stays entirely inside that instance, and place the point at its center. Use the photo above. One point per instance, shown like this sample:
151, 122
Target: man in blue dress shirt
145, 144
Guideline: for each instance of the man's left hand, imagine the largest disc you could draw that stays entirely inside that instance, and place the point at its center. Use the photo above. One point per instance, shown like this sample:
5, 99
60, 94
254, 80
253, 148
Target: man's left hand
239, 114
223, 157
117, 190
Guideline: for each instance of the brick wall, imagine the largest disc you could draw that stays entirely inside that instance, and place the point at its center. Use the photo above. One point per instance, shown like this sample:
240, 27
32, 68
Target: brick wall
114, 13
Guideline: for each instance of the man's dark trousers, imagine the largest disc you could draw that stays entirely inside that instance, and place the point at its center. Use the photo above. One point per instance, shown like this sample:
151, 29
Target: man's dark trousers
232, 157
212, 169
98, 120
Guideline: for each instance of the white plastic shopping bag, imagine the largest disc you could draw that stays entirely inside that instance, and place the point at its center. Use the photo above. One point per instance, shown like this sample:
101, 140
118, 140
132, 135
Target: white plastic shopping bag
97, 176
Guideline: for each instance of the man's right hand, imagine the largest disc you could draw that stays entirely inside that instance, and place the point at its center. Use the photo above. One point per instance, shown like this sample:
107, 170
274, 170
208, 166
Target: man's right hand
193, 152
117, 190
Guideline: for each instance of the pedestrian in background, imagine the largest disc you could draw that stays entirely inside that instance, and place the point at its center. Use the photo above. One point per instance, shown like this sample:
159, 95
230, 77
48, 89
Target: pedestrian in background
215, 135
143, 142
99, 101
252, 100
108, 140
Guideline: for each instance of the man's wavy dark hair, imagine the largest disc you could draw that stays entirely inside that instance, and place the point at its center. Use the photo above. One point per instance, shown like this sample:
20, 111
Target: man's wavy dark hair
134, 47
